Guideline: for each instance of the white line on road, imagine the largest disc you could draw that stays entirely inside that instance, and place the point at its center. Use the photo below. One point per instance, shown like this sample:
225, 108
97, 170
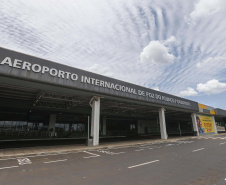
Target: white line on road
143, 164
117, 153
110, 153
55, 161
9, 167
41, 155
222, 143
139, 150
7, 159
93, 155
198, 149
120, 147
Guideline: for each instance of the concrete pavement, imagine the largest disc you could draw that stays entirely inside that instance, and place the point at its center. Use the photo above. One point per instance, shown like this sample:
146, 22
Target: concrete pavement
8, 152
190, 161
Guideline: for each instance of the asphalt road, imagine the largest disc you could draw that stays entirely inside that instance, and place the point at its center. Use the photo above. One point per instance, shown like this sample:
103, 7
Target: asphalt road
192, 161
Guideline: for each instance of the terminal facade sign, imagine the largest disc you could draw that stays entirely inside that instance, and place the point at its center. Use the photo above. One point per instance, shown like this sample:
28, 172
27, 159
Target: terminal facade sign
24, 66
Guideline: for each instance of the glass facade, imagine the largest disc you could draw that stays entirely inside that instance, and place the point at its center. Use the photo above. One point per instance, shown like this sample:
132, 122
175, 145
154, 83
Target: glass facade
121, 126
14, 126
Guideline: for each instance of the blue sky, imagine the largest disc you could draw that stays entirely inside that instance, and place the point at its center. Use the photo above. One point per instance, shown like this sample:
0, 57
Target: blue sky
174, 46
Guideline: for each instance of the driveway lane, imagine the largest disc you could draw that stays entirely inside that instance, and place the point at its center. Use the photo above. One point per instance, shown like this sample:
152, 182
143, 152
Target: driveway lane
177, 165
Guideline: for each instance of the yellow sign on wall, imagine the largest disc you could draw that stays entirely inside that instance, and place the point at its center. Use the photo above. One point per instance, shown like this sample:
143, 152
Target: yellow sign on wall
205, 124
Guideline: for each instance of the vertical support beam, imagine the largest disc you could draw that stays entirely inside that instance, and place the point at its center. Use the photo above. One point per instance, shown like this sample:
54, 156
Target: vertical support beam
194, 122
52, 122
104, 126
214, 124
95, 121
162, 122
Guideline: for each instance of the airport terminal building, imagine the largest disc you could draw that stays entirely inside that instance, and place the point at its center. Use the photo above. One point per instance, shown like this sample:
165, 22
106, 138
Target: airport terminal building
40, 99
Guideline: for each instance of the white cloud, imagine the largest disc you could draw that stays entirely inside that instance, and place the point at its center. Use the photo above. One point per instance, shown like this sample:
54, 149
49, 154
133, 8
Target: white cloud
170, 39
188, 92
207, 7
156, 52
100, 69
212, 87
156, 88
210, 62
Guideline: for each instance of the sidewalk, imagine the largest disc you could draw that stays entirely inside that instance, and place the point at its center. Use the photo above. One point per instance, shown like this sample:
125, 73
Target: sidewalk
15, 152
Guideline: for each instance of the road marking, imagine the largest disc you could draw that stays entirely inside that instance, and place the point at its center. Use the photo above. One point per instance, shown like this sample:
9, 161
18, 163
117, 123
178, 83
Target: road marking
143, 164
117, 153
169, 145
7, 159
9, 167
120, 147
110, 153
23, 161
139, 150
143, 147
40, 155
55, 161
222, 143
93, 155
59, 153
198, 149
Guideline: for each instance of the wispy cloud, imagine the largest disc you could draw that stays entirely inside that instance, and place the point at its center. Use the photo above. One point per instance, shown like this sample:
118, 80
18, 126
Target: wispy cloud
217, 62
206, 8
96, 68
112, 37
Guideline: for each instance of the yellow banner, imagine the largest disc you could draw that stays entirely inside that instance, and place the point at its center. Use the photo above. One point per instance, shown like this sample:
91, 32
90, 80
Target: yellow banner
205, 124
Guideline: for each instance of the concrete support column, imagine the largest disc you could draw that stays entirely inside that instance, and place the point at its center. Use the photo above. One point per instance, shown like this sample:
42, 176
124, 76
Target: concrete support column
52, 122
194, 122
95, 121
214, 124
162, 122
104, 126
